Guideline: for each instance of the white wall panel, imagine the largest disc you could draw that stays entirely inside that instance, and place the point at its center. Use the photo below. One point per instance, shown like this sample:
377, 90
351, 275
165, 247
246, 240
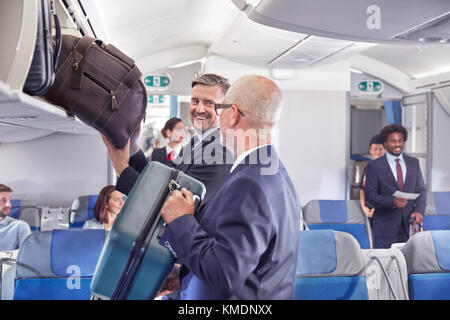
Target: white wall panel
54, 170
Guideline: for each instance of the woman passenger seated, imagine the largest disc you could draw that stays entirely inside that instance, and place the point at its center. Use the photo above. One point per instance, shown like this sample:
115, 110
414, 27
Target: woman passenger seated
106, 209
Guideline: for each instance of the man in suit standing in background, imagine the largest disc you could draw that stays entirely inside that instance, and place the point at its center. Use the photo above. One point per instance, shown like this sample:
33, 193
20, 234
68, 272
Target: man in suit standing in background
244, 242
395, 171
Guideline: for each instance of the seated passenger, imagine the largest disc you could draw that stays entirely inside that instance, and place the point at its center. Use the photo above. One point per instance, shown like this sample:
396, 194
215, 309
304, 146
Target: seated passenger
12, 231
376, 150
173, 131
106, 209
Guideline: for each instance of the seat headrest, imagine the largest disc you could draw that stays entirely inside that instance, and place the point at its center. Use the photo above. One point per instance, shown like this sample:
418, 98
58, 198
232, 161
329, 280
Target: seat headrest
60, 252
15, 209
428, 252
442, 202
83, 208
438, 203
27, 211
325, 253
334, 211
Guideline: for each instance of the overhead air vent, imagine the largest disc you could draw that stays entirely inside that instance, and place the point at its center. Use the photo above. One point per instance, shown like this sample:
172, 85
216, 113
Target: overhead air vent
381, 21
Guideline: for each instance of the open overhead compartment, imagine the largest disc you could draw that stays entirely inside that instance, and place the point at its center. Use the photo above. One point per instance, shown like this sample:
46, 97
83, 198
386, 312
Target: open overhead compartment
24, 117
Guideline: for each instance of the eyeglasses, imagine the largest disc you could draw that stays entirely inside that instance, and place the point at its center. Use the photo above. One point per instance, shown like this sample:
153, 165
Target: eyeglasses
218, 107
4, 201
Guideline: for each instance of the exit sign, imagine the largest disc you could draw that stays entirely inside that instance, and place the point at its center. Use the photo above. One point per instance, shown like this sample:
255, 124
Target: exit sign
157, 81
156, 99
370, 87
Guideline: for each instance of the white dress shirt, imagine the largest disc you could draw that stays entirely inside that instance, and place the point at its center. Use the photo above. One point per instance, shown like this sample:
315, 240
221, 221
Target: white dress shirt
243, 155
393, 164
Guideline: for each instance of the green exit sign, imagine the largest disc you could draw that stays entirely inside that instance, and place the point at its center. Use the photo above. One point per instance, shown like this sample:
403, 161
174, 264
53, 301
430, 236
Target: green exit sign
157, 81
370, 86
156, 99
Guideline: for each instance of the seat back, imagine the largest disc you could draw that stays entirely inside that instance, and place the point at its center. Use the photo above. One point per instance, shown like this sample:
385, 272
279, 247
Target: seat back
437, 212
82, 210
26, 211
58, 264
427, 257
7, 273
339, 215
330, 267
386, 274
54, 218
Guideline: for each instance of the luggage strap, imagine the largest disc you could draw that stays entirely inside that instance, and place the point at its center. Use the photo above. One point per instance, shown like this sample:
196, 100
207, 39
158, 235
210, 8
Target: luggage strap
405, 292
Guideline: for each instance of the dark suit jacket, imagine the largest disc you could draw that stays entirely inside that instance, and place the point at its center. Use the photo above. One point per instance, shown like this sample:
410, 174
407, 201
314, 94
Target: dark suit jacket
160, 155
209, 162
245, 245
381, 185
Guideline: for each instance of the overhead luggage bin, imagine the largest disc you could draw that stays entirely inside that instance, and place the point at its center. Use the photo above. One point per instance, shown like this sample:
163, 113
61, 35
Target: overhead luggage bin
386, 21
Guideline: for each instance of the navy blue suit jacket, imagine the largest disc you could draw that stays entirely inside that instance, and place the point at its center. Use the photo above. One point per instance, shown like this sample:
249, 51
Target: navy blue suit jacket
379, 189
160, 155
209, 162
245, 244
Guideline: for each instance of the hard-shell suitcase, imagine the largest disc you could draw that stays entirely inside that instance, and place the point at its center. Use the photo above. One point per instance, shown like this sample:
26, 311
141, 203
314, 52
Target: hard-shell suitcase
133, 265
42, 70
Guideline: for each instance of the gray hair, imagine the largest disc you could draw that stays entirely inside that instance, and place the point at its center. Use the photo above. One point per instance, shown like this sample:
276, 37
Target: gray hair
259, 98
211, 79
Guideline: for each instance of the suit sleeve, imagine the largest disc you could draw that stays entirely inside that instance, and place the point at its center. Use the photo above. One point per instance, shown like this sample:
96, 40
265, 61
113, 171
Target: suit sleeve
243, 231
372, 187
421, 201
129, 176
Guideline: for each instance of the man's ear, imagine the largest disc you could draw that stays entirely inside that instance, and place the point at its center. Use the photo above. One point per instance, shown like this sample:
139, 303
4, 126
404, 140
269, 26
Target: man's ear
235, 117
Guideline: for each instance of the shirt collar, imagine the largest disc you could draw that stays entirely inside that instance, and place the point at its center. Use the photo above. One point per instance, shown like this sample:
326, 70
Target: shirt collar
176, 149
6, 220
243, 155
391, 158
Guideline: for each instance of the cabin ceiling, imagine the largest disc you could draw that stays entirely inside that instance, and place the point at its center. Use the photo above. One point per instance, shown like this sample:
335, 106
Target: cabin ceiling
164, 33
415, 61
160, 34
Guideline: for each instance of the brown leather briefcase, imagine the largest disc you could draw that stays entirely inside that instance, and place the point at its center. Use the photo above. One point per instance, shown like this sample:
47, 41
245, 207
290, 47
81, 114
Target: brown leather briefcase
101, 86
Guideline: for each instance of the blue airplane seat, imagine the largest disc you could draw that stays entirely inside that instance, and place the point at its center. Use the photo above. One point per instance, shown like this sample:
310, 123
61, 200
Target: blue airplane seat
27, 211
82, 210
427, 257
437, 212
58, 264
330, 267
339, 215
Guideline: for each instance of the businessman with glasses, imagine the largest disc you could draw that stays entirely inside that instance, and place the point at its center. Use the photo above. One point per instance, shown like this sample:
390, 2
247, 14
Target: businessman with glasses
245, 245
203, 158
